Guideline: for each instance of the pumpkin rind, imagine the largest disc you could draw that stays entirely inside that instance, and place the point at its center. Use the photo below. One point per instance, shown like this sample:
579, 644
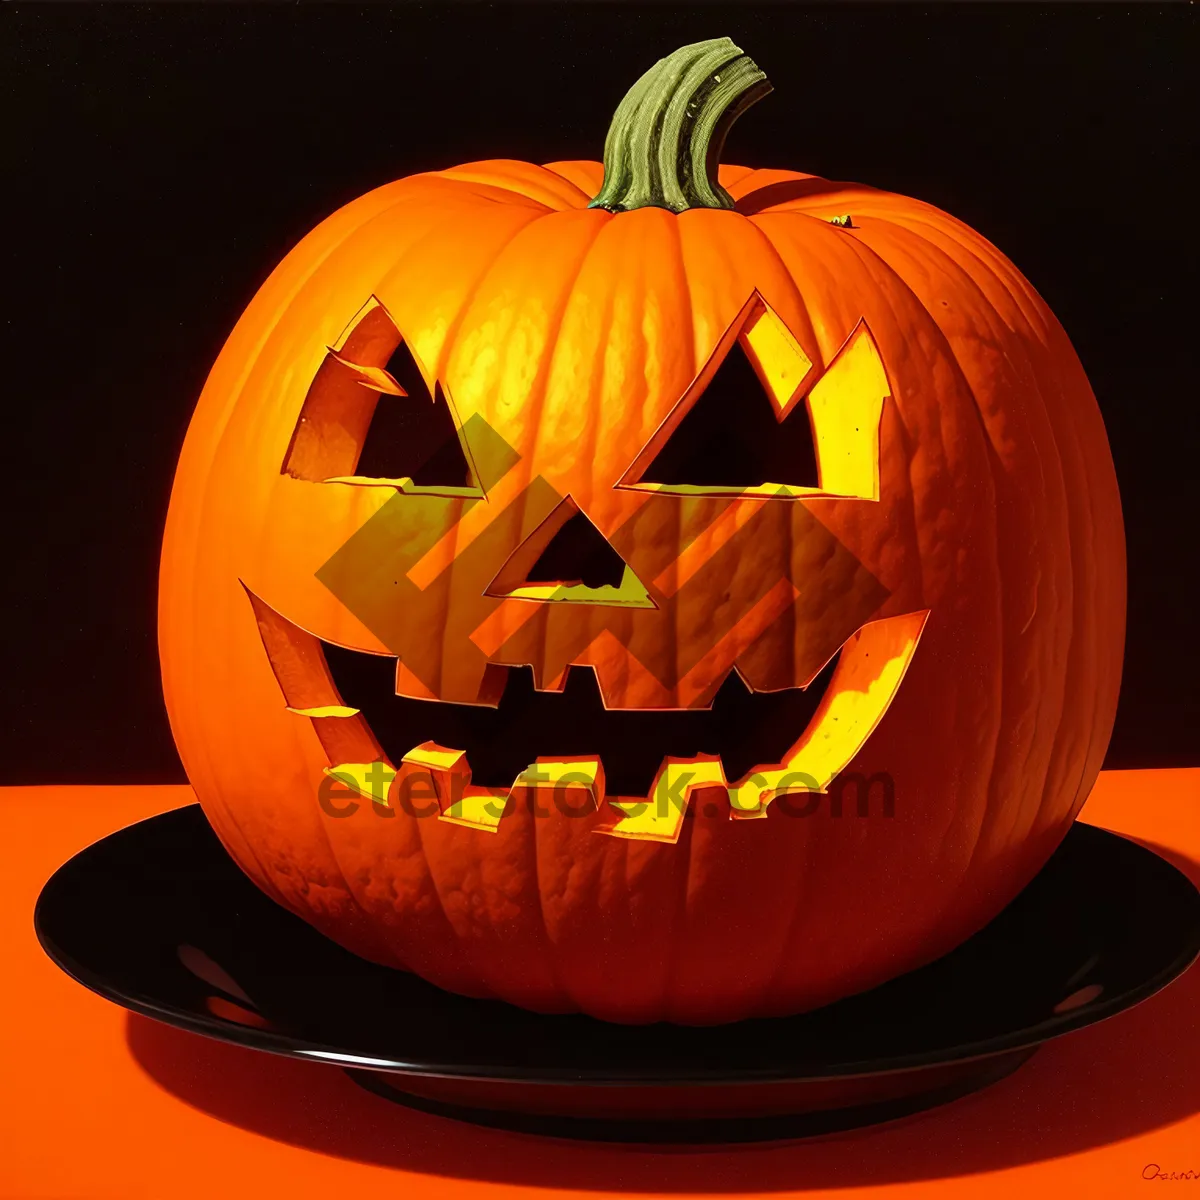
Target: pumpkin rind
574, 331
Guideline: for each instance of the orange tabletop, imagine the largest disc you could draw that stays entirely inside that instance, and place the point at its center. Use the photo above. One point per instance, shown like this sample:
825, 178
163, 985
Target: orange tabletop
101, 1103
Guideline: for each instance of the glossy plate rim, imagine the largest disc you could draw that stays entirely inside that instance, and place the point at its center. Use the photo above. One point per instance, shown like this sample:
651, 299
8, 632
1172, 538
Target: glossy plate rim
297, 1047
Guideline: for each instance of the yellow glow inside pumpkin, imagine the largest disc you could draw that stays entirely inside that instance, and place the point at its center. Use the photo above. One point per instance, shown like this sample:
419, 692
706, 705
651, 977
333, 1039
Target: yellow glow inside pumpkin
777, 357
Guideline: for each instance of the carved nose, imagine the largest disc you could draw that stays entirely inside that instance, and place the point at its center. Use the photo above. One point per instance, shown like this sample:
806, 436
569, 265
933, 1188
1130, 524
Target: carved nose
578, 554
567, 559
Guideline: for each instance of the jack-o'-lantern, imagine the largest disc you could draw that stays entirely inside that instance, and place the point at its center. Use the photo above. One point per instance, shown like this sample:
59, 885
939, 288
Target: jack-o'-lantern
665, 591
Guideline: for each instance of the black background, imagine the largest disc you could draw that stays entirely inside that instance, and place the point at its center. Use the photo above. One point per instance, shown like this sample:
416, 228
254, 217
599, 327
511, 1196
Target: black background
163, 159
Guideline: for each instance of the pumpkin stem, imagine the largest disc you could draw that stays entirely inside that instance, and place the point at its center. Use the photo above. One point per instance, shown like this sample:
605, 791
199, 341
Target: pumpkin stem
667, 134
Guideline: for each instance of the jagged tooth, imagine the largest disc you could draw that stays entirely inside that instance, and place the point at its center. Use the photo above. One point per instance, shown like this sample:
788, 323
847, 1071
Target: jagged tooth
573, 774
659, 818
409, 684
459, 802
551, 683
478, 808
748, 800
370, 780
437, 758
444, 766
375, 378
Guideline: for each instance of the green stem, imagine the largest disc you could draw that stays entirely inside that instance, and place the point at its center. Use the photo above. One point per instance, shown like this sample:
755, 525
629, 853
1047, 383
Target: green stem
666, 136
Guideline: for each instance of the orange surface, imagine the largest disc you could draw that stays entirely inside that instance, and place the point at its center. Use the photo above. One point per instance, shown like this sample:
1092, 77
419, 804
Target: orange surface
98, 1103
567, 343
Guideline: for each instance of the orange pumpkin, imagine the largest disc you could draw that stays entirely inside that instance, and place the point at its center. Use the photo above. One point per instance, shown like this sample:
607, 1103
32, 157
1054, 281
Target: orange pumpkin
731, 568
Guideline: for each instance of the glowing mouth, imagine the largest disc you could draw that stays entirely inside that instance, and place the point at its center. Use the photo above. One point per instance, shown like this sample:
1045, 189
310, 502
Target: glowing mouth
739, 754
742, 728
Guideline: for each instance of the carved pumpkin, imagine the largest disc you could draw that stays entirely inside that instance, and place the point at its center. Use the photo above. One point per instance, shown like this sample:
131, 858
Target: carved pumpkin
623, 590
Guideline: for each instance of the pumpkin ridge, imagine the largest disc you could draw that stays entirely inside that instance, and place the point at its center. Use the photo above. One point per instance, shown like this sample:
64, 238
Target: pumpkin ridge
1001, 667
268, 881
538, 388
491, 173
1043, 454
226, 819
790, 947
693, 367
1035, 798
732, 175
553, 963
541, 382
365, 926
1089, 469
686, 284
798, 292
824, 194
255, 363
685, 848
1067, 441
866, 256
977, 249
468, 950
746, 185
256, 360
214, 435
1046, 332
819, 364
581, 195
869, 256
802, 249
438, 367
585, 174
593, 385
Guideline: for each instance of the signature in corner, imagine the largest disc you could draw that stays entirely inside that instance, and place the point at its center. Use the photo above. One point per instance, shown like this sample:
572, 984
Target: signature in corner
1154, 1171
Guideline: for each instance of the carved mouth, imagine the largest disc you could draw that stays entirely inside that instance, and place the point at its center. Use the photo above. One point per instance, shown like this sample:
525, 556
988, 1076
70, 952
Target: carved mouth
644, 765
743, 728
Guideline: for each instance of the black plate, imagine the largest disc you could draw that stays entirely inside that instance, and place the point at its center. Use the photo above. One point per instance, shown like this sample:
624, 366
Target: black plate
158, 919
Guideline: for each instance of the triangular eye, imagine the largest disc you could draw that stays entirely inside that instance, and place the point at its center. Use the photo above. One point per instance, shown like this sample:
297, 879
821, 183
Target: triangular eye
369, 419
413, 435
732, 437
